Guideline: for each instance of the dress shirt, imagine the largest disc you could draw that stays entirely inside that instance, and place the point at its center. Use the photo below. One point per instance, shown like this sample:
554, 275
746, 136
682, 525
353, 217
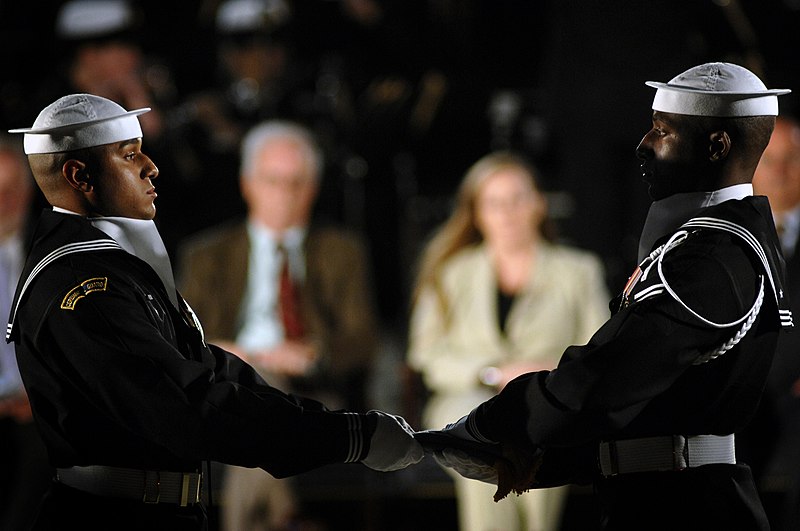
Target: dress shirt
259, 316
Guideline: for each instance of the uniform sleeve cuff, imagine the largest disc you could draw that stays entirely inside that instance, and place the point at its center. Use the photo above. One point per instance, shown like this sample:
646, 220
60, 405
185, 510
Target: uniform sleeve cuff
360, 429
474, 430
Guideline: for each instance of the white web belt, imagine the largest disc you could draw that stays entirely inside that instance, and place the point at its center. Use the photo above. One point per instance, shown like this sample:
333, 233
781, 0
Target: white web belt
664, 453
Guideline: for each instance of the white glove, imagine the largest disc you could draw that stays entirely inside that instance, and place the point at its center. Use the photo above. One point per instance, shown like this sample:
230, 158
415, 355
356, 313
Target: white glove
466, 465
392, 446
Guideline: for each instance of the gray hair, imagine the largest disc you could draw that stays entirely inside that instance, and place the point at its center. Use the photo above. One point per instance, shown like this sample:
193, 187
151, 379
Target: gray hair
272, 130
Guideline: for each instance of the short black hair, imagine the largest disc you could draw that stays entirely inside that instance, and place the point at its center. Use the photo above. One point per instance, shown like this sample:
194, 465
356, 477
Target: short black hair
750, 134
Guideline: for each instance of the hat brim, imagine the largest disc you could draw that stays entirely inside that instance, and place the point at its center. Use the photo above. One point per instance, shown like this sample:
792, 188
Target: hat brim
50, 130
694, 90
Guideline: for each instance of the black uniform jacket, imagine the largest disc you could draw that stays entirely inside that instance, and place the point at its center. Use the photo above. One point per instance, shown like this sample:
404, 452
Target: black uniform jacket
648, 370
118, 376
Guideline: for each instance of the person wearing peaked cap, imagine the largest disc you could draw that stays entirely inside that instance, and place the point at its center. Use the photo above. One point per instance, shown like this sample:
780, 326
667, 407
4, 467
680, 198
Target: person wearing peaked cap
101, 52
646, 411
259, 75
127, 394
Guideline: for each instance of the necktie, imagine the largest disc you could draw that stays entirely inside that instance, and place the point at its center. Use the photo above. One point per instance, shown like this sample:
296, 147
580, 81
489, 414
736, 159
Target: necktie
289, 299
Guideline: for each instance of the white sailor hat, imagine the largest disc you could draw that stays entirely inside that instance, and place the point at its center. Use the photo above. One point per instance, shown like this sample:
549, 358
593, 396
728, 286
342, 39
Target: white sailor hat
88, 19
716, 89
80, 121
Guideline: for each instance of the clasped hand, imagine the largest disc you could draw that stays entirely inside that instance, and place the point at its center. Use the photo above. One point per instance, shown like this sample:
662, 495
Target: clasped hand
393, 445
512, 468
466, 463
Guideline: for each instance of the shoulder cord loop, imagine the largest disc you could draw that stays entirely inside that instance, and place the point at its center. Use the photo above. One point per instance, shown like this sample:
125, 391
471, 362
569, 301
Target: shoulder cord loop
747, 319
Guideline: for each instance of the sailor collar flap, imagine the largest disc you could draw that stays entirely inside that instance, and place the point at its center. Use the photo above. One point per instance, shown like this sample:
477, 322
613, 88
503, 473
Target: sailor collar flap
645, 282
65, 250
648, 280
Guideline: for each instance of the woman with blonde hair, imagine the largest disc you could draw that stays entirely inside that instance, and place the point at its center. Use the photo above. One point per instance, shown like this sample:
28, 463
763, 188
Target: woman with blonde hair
496, 297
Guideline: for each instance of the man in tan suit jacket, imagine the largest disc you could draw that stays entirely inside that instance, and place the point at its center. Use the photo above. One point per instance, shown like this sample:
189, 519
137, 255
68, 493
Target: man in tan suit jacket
337, 305
231, 277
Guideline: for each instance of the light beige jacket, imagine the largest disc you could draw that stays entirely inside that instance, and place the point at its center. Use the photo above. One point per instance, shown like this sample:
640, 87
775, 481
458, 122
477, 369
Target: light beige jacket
564, 303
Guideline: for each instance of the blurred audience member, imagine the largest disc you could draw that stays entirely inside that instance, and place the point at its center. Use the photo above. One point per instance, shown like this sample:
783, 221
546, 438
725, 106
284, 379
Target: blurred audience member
234, 276
395, 104
495, 298
256, 76
103, 55
778, 177
24, 473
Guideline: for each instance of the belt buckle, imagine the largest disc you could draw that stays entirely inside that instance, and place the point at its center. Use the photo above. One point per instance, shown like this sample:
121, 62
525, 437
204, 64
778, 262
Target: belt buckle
152, 477
680, 452
186, 483
609, 457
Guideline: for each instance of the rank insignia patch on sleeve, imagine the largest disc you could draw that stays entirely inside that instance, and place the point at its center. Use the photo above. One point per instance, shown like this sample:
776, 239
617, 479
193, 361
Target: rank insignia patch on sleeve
83, 289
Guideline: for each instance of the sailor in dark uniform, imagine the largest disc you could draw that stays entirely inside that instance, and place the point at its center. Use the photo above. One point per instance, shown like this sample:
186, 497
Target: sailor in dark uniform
128, 396
647, 409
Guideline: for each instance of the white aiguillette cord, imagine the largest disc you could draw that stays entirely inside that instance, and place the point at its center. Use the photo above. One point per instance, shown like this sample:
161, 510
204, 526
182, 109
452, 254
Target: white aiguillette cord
141, 238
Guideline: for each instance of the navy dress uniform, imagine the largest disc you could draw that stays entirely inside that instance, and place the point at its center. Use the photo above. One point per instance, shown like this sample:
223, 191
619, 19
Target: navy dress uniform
647, 409
128, 396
